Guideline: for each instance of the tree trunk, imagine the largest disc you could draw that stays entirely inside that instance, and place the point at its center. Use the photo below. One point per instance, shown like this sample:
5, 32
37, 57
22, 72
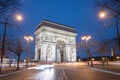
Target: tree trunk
10, 63
18, 61
103, 64
91, 62
1, 65
107, 61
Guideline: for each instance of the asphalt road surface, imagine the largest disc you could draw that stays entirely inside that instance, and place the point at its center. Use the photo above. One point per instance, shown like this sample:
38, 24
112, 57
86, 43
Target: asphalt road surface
61, 72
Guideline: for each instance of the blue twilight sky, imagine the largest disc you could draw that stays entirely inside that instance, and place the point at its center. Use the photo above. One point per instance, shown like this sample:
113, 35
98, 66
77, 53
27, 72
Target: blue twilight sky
79, 14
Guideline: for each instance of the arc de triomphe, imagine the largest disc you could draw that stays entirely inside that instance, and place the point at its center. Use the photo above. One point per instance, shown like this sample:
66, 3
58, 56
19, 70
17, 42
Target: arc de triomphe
55, 42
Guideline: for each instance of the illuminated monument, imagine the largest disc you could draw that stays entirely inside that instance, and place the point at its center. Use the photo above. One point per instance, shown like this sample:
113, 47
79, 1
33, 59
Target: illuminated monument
55, 42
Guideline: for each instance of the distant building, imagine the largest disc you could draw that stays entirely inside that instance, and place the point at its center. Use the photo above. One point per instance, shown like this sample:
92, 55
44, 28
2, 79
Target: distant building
55, 42
5, 61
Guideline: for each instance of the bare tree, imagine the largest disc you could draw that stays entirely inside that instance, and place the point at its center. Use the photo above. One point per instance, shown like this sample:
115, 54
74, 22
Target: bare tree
112, 6
8, 5
104, 49
16, 47
7, 20
7, 10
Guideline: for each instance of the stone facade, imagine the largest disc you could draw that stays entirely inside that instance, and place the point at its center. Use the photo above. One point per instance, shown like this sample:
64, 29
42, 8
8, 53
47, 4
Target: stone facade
55, 43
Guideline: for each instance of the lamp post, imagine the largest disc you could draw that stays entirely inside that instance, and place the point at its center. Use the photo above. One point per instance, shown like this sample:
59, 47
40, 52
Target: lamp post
6, 23
117, 29
28, 39
87, 38
103, 14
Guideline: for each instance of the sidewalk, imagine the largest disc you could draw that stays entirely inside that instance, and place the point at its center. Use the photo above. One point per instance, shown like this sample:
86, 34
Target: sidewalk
10, 70
113, 68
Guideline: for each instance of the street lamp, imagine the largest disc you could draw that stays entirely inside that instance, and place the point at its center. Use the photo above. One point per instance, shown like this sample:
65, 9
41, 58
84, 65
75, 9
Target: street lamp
28, 39
103, 58
117, 57
87, 38
93, 59
103, 14
5, 23
18, 17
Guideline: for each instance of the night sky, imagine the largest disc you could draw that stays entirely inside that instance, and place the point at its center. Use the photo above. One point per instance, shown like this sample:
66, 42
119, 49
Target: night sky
79, 14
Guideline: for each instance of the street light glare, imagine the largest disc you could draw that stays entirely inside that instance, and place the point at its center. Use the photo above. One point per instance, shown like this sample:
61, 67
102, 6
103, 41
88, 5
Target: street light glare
31, 38
86, 37
102, 14
28, 38
19, 17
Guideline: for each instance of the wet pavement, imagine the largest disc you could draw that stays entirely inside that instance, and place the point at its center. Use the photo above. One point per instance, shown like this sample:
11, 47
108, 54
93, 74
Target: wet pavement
49, 74
52, 73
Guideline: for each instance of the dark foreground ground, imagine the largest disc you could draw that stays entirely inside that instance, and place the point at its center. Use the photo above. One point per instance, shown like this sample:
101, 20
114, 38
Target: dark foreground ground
69, 71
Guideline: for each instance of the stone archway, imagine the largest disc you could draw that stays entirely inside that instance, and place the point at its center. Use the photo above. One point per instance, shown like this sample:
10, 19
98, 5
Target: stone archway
60, 51
56, 42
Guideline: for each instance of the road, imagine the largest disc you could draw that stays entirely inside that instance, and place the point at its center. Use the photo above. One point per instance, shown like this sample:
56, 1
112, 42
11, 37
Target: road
62, 72
85, 73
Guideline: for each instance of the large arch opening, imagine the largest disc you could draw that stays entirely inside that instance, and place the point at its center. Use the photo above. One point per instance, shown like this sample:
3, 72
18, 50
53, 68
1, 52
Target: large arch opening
60, 51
